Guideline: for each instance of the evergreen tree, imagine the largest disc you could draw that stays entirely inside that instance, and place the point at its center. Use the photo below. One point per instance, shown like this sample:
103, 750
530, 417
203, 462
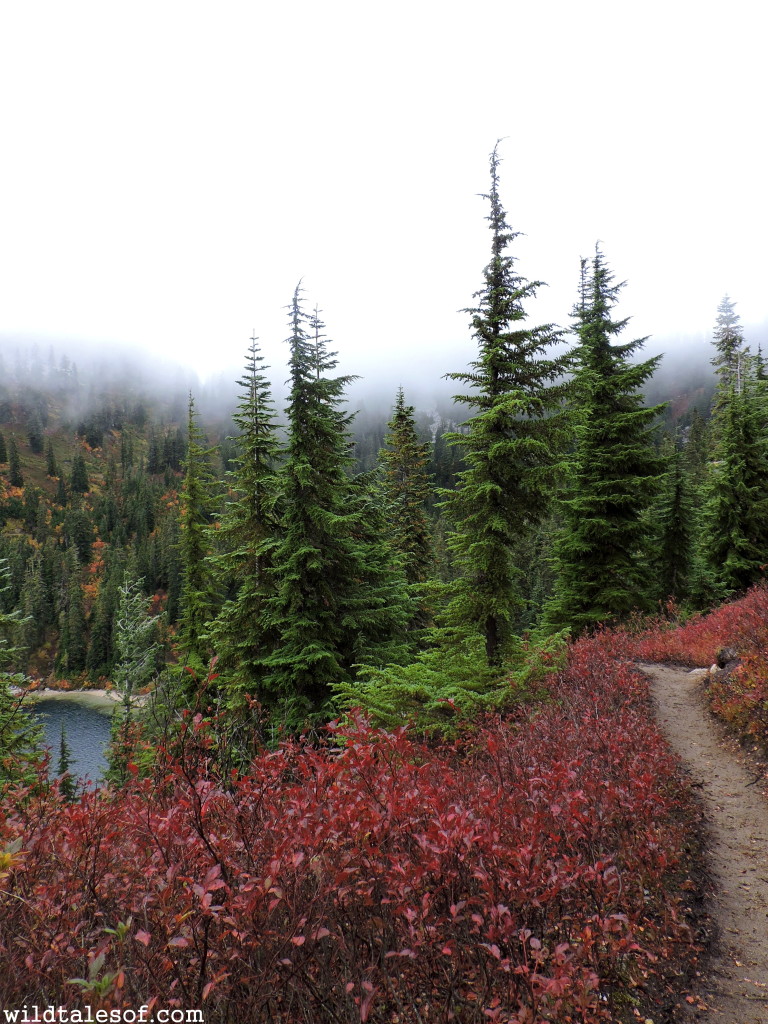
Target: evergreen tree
78, 482
15, 476
248, 530
327, 610
731, 350
101, 649
51, 468
407, 492
3, 450
136, 649
603, 547
696, 450
61, 492
67, 785
35, 603
19, 735
73, 641
510, 445
135, 637
673, 522
735, 520
198, 595
35, 435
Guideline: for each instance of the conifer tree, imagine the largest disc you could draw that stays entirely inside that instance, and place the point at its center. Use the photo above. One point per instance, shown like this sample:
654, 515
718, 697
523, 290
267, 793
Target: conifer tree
101, 649
602, 550
78, 481
135, 637
20, 737
327, 610
136, 650
673, 522
35, 435
248, 531
197, 502
73, 642
407, 492
731, 350
407, 489
510, 446
735, 518
3, 450
15, 476
51, 468
61, 493
67, 785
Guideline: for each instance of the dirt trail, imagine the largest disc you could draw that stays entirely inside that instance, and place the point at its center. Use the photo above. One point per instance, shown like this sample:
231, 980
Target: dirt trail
736, 992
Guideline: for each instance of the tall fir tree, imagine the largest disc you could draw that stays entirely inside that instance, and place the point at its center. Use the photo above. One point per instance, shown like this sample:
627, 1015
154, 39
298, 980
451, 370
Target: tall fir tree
729, 360
20, 736
15, 475
197, 505
602, 551
735, 516
67, 785
78, 481
407, 491
136, 653
3, 450
510, 446
51, 466
73, 639
673, 525
328, 611
248, 532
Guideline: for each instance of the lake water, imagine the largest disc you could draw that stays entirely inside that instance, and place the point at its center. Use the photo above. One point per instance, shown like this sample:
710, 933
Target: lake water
86, 720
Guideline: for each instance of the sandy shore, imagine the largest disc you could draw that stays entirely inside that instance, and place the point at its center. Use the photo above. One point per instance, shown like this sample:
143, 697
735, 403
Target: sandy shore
94, 698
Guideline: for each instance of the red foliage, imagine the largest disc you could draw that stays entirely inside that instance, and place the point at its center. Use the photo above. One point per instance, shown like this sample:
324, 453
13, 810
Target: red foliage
740, 624
741, 696
515, 877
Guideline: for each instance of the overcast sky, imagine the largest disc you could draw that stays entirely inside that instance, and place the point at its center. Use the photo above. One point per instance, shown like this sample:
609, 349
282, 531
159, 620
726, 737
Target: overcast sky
170, 170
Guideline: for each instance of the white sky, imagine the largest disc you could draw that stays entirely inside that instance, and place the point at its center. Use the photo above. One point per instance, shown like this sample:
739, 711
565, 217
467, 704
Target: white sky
169, 170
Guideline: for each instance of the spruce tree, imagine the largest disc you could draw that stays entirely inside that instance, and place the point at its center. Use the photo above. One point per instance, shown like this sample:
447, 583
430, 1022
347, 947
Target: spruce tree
15, 476
20, 737
136, 651
407, 492
735, 517
510, 447
135, 637
51, 468
67, 785
603, 546
3, 450
673, 525
248, 532
328, 610
79, 482
731, 350
73, 642
197, 505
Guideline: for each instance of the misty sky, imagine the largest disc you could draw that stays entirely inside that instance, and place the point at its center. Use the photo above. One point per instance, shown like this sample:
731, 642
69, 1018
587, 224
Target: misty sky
170, 170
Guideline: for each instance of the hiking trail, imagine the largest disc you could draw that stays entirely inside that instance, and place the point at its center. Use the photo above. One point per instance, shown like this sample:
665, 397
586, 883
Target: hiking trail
735, 990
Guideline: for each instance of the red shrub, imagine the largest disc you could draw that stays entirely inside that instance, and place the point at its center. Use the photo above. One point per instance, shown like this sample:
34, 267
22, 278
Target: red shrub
511, 878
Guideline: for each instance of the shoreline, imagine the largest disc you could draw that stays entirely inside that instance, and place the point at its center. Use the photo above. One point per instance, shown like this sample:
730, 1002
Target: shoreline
97, 697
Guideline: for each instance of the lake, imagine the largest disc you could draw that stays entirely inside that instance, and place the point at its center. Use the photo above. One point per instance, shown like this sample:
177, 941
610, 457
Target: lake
86, 718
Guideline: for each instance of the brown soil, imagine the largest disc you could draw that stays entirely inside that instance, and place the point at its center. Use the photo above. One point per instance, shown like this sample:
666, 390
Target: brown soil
733, 988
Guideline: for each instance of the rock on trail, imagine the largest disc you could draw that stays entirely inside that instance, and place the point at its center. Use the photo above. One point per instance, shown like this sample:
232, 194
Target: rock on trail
736, 990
